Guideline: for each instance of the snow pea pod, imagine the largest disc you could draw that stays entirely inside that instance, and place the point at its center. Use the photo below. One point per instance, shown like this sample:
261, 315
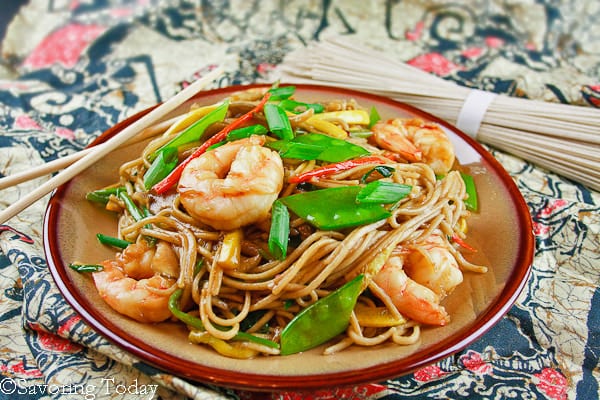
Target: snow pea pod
323, 320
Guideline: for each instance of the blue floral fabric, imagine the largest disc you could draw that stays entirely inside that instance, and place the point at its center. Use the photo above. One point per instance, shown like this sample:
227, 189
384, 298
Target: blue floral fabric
71, 69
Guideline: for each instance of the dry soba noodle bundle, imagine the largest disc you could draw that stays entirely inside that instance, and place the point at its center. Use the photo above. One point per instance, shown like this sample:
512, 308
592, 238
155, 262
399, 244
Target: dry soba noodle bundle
271, 226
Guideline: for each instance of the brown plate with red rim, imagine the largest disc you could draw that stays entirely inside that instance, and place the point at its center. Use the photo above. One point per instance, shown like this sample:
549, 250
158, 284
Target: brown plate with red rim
71, 224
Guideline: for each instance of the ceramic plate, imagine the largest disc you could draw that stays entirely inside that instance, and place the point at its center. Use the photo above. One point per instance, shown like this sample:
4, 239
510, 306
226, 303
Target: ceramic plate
501, 231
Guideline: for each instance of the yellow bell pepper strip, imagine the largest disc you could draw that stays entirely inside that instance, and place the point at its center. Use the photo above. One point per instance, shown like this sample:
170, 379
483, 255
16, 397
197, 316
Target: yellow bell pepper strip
331, 169
189, 118
164, 185
352, 117
230, 254
322, 320
194, 132
280, 230
161, 166
297, 107
471, 202
221, 346
376, 317
112, 241
197, 324
278, 121
326, 127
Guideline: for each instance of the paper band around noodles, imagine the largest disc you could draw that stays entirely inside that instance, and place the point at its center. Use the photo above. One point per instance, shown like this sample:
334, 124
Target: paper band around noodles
473, 110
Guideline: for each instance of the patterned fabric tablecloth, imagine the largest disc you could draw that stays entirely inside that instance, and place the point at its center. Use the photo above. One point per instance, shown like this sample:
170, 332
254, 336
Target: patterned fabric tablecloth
72, 68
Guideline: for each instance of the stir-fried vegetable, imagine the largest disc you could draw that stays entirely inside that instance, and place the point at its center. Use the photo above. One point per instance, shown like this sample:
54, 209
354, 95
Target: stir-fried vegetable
112, 241
471, 202
103, 195
296, 107
335, 168
323, 320
278, 121
280, 230
196, 323
346, 206
314, 146
246, 131
86, 267
132, 208
171, 179
161, 166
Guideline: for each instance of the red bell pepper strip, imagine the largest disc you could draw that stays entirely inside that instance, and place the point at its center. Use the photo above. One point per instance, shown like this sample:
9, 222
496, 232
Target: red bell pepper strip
337, 167
171, 179
458, 240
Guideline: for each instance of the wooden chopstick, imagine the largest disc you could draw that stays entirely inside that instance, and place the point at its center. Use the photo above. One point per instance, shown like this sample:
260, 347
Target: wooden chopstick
97, 152
63, 162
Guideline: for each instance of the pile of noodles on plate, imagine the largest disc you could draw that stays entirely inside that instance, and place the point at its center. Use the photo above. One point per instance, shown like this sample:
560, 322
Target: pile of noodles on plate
271, 226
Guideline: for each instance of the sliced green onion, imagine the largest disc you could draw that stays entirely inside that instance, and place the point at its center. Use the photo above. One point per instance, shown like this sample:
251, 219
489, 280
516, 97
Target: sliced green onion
112, 241
131, 206
278, 121
102, 195
381, 192
280, 230
245, 132
374, 117
298, 107
281, 93
162, 165
472, 202
86, 267
383, 170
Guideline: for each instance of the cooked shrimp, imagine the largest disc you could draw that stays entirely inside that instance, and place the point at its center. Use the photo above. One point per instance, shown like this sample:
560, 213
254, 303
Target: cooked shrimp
233, 185
134, 284
420, 278
416, 141
410, 298
431, 264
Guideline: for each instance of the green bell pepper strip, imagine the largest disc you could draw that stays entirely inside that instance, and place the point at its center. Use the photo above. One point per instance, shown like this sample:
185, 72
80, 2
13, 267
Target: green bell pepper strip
280, 230
323, 320
246, 131
472, 202
196, 130
278, 121
334, 208
383, 192
281, 92
102, 195
298, 107
197, 322
161, 166
112, 241
86, 267
164, 185
335, 168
